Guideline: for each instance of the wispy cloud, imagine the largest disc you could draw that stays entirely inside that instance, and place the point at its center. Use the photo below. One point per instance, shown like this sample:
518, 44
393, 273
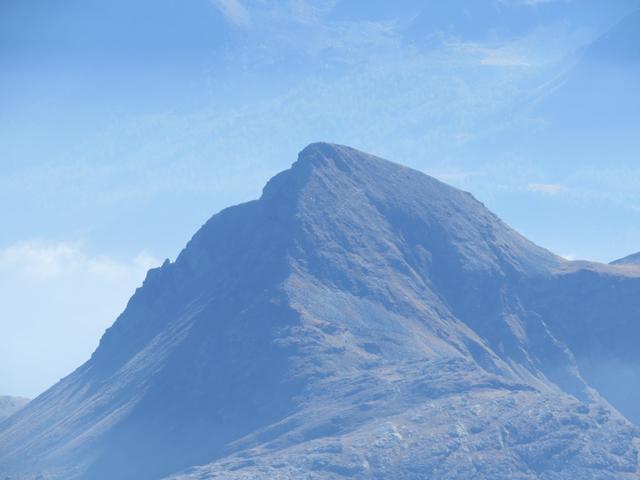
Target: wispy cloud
40, 260
48, 260
57, 300
503, 56
234, 12
533, 3
547, 188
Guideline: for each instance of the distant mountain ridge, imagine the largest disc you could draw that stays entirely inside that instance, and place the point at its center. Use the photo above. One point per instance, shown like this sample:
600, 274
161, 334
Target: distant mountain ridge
629, 260
359, 320
574, 118
619, 45
10, 405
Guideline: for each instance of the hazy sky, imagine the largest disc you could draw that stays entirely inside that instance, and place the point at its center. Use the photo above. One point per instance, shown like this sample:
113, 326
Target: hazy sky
124, 125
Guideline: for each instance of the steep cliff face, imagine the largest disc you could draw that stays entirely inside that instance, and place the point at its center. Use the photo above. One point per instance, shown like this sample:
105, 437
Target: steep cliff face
595, 310
359, 320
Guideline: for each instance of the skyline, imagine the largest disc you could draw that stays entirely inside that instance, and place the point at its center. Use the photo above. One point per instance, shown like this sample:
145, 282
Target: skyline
116, 151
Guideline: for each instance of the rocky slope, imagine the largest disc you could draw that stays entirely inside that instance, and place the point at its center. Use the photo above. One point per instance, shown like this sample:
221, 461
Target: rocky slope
359, 320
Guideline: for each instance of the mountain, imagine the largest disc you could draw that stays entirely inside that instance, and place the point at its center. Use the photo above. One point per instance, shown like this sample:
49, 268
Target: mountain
359, 320
630, 260
10, 405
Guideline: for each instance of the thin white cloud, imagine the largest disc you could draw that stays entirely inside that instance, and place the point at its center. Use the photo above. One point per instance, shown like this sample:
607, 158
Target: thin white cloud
305, 12
504, 56
41, 260
547, 188
37, 259
234, 12
57, 300
499, 58
534, 3
529, 3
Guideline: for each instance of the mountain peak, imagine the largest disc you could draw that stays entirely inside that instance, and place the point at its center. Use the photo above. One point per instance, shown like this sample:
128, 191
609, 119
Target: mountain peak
344, 159
328, 160
333, 185
335, 159
322, 150
334, 151
325, 169
356, 303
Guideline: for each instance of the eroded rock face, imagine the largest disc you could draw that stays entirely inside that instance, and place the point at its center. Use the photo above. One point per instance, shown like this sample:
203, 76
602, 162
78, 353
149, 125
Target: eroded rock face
359, 320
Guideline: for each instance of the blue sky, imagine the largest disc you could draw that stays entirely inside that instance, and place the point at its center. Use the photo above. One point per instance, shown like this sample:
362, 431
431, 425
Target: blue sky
126, 124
